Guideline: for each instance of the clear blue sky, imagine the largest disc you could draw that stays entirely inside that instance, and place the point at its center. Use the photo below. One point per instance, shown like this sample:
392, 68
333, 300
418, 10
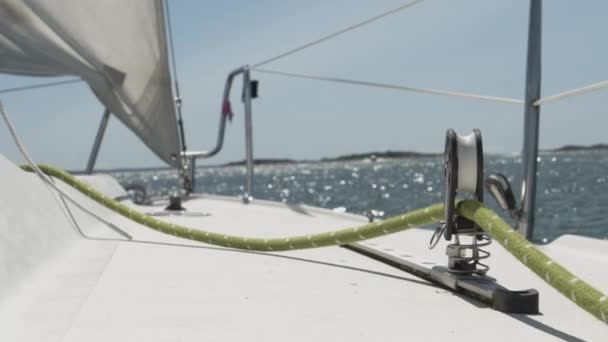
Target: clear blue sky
472, 45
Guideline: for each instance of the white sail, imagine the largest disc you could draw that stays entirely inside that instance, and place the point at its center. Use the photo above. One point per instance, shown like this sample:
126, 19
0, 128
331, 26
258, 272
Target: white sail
118, 47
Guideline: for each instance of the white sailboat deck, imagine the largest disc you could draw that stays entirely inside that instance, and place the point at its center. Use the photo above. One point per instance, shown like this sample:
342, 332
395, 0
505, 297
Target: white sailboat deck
57, 286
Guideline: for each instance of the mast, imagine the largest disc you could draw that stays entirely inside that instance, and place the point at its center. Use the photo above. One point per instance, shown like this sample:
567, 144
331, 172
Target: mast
531, 122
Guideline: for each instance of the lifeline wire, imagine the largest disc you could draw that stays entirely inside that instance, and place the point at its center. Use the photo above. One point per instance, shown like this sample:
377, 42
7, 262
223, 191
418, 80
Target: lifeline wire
394, 87
48, 181
40, 85
337, 33
570, 93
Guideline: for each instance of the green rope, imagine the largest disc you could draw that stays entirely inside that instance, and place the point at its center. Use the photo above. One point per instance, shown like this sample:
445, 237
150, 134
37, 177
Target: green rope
340, 237
575, 289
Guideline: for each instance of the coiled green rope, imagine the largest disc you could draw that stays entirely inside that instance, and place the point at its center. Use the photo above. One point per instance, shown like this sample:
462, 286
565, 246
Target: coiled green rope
340, 237
575, 289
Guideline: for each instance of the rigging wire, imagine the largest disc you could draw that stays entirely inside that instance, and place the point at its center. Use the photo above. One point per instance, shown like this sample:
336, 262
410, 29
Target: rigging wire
178, 98
393, 87
571, 93
39, 85
48, 180
337, 33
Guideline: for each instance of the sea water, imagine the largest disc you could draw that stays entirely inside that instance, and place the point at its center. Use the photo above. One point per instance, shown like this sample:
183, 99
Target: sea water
572, 193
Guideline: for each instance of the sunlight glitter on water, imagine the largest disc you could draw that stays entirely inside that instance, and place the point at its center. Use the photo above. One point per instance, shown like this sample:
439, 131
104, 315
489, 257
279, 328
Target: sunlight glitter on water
572, 189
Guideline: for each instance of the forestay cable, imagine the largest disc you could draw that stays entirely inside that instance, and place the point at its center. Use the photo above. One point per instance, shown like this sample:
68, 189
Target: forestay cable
571, 93
338, 33
394, 87
178, 97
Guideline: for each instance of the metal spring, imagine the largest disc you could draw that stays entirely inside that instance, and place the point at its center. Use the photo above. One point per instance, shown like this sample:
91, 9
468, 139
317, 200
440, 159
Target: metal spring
471, 254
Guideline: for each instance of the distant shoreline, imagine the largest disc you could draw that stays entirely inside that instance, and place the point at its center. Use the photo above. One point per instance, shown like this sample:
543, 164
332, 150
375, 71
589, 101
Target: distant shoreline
375, 155
372, 156
569, 148
347, 157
